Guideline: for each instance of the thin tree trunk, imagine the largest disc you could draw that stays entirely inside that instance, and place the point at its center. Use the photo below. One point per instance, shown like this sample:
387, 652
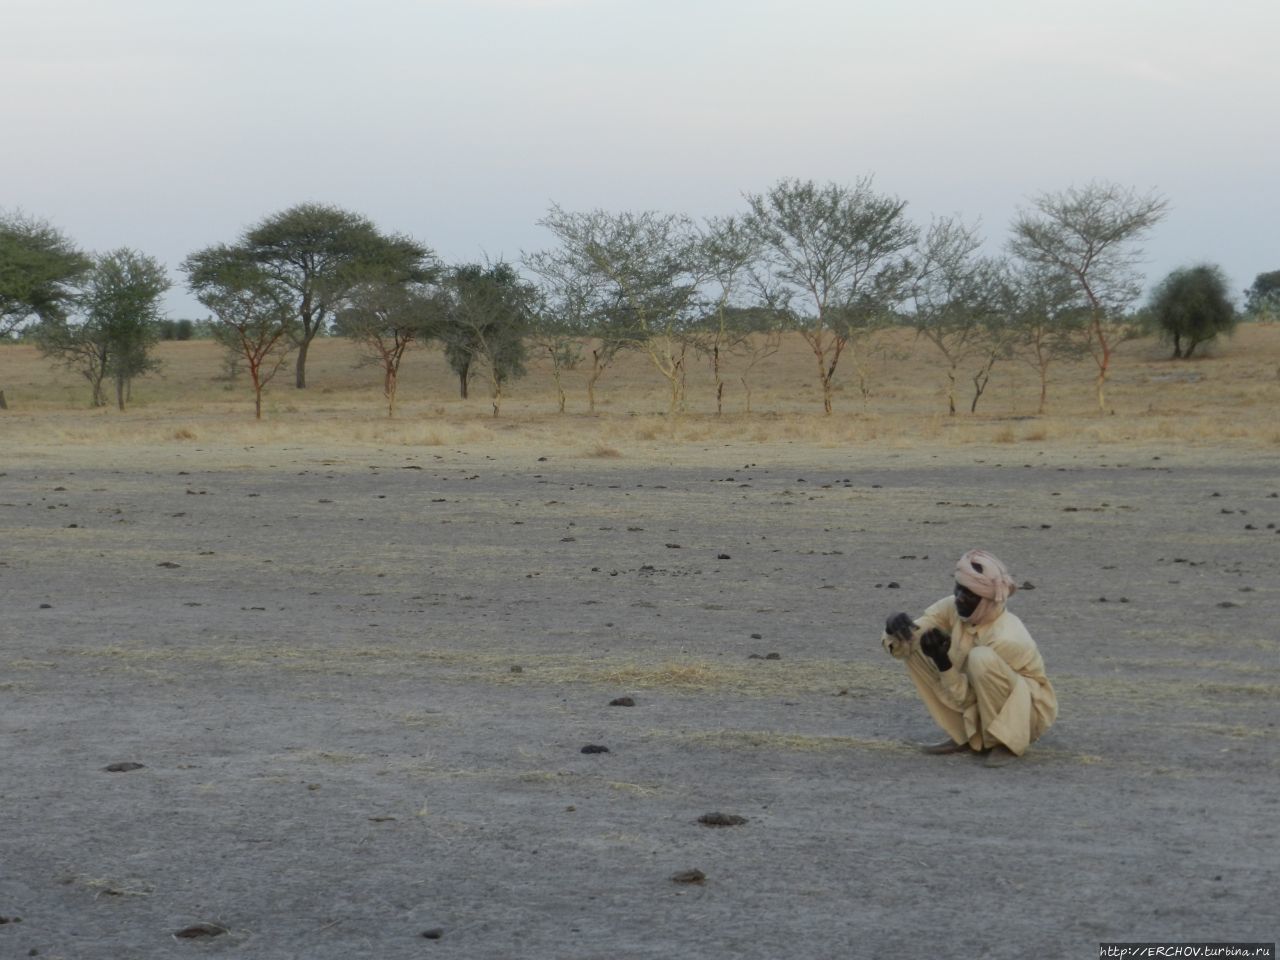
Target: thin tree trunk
300, 365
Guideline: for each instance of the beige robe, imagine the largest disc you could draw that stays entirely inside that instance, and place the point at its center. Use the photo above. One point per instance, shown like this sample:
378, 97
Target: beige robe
996, 691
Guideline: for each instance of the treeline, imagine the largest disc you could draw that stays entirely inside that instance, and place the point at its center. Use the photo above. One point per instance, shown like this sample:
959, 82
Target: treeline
836, 263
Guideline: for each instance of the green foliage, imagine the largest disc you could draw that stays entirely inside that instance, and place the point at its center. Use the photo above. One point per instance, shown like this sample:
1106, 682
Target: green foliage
316, 256
489, 310
1192, 305
1262, 299
116, 322
252, 314
39, 271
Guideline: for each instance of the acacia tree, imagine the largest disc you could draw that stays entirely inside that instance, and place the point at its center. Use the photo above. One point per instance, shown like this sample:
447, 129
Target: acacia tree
252, 315
572, 317
839, 254
316, 255
556, 335
386, 319
955, 298
39, 271
116, 324
642, 271
488, 312
1049, 323
1193, 304
1091, 235
729, 251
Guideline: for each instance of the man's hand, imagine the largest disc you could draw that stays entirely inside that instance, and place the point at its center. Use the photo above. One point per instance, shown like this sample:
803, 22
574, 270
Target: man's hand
934, 644
899, 626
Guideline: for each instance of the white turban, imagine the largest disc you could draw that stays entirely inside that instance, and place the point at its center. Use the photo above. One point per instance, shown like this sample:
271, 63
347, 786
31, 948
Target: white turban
985, 575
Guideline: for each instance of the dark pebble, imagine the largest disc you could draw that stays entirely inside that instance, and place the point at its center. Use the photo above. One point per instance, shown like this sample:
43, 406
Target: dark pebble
1227, 603
46, 606
622, 702
773, 656
198, 930
723, 556
123, 766
757, 636
595, 748
894, 585
1027, 585
435, 933
689, 876
721, 820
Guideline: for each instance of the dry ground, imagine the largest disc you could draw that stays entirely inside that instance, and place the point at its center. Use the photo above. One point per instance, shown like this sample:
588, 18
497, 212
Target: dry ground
359, 660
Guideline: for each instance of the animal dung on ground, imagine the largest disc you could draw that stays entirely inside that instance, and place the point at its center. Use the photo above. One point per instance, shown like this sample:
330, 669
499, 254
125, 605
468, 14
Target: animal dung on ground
689, 876
199, 930
721, 820
595, 748
123, 766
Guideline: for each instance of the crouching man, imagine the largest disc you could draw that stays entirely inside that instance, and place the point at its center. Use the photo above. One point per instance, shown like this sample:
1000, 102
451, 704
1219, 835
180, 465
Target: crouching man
976, 666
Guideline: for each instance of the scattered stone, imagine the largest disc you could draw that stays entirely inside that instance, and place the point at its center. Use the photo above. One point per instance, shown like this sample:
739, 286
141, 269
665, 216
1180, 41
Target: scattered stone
517, 669
123, 766
169, 565
435, 933
595, 748
1225, 604
198, 930
46, 606
719, 556
622, 702
721, 820
689, 876
893, 585
773, 656
1027, 585
757, 636
673, 546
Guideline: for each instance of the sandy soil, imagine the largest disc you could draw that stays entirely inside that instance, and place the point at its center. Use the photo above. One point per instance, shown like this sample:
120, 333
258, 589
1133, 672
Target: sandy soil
359, 682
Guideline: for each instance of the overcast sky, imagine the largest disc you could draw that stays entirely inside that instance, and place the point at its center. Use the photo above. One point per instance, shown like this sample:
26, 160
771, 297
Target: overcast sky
169, 125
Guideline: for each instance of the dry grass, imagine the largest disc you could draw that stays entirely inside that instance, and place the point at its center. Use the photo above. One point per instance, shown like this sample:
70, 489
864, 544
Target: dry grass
757, 678
1227, 396
792, 742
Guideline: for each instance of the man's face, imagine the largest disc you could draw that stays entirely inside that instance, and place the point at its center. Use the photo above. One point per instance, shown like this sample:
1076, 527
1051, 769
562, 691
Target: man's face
966, 600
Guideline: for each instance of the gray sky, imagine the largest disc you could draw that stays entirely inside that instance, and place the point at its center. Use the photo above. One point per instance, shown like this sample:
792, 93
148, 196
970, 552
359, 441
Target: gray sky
169, 125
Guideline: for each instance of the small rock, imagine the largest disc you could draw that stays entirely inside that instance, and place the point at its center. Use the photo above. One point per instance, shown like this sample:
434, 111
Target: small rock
723, 556
595, 748
1227, 604
169, 565
517, 669
773, 656
123, 766
673, 546
721, 820
893, 585
622, 702
689, 876
757, 636
46, 606
1027, 585
435, 933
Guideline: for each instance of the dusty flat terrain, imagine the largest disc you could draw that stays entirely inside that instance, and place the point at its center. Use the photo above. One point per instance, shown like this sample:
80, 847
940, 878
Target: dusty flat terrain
359, 681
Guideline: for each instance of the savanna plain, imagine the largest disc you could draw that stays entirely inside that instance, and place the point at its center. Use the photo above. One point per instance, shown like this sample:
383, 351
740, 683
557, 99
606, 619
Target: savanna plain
319, 686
